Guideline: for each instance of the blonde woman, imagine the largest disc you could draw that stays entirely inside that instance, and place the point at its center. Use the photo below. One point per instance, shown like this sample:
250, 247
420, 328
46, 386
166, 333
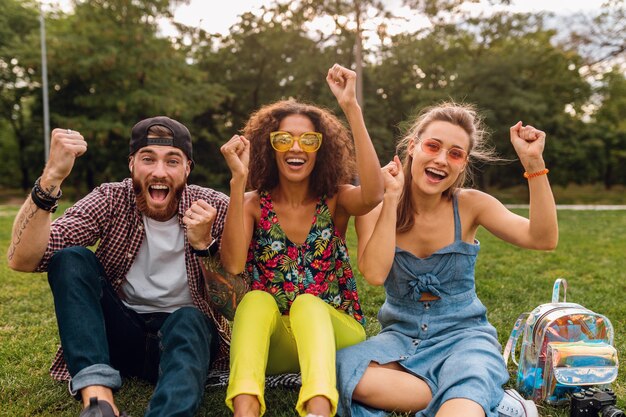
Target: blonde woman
436, 353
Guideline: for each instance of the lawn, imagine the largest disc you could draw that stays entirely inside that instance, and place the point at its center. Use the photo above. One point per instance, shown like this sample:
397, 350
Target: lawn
509, 281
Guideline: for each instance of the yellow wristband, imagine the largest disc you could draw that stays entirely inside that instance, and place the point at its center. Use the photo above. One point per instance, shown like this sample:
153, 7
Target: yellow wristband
529, 175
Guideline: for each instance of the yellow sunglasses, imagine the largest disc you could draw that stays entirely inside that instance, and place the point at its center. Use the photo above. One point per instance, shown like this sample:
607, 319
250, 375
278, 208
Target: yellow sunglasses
308, 141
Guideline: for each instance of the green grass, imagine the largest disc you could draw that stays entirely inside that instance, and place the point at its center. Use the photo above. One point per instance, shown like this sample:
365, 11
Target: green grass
509, 281
571, 194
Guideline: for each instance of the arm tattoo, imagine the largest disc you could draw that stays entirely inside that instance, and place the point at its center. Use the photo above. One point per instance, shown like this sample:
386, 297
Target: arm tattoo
24, 217
50, 189
224, 290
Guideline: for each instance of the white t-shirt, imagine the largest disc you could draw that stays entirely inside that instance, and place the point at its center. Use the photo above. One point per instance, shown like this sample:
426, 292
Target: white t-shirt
157, 279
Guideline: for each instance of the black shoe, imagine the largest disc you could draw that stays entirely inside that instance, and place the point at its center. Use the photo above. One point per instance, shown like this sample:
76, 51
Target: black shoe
99, 408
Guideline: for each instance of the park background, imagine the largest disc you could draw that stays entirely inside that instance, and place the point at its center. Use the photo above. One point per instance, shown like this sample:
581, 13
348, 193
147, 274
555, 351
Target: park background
111, 63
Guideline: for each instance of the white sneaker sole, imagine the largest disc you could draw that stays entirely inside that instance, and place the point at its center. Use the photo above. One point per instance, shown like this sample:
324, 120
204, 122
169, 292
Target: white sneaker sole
529, 406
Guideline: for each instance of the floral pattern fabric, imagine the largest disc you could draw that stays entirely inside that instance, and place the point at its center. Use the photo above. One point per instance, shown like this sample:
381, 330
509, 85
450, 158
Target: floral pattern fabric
320, 266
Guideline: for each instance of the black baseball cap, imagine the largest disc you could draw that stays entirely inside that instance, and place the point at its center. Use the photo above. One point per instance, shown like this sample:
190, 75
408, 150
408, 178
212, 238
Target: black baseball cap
181, 138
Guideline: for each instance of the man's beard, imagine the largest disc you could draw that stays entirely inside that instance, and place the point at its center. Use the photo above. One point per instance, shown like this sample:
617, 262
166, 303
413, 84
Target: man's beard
162, 214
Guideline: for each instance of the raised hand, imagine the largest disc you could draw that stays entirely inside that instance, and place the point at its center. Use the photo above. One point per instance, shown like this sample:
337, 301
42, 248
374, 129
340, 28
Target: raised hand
529, 144
393, 177
342, 83
236, 152
199, 220
65, 146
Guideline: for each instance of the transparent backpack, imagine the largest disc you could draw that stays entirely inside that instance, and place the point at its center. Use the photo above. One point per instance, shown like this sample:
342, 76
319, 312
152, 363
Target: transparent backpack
565, 347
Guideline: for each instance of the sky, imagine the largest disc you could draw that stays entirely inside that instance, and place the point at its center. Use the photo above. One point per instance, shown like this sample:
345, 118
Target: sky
218, 19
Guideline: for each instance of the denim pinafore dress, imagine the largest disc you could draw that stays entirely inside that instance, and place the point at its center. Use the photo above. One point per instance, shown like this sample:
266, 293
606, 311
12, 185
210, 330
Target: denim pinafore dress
447, 342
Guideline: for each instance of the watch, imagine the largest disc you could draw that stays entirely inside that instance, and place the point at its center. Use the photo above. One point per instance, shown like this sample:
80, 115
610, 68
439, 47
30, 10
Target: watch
210, 250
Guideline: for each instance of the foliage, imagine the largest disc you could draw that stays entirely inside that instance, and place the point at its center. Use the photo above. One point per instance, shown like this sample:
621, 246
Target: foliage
264, 60
18, 84
110, 66
600, 36
504, 64
610, 128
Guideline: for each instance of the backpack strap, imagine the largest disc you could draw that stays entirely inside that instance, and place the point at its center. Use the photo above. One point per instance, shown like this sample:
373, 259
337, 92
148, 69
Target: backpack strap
509, 349
556, 290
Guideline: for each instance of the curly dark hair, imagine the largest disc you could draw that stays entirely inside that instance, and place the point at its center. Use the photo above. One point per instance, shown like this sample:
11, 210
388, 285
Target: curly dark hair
335, 163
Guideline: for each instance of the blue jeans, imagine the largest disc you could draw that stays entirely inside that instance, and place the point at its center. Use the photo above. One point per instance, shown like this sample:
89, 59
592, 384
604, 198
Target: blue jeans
102, 338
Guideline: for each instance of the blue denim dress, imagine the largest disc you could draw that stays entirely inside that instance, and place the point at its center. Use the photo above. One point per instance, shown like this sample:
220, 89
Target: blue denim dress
448, 342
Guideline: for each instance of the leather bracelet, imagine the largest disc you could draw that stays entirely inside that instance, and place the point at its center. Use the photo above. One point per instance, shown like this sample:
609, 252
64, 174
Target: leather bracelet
44, 204
43, 193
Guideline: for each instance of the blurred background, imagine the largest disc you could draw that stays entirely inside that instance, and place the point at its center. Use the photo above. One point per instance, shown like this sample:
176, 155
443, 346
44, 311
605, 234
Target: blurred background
108, 64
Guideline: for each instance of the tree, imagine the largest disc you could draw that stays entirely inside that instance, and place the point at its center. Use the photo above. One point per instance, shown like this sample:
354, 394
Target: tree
611, 127
109, 68
348, 17
267, 58
264, 58
504, 64
18, 82
517, 73
600, 37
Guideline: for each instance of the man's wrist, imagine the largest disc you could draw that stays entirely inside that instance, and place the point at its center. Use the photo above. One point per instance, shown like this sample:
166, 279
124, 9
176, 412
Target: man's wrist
43, 197
210, 250
50, 179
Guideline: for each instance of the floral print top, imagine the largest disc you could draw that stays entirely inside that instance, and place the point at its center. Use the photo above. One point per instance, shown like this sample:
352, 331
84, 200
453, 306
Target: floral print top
320, 266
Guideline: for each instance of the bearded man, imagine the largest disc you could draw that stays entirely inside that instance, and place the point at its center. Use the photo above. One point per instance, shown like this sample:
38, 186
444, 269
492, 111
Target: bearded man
141, 305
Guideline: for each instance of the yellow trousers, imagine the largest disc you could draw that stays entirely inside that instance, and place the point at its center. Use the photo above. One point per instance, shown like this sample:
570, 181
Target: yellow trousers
265, 341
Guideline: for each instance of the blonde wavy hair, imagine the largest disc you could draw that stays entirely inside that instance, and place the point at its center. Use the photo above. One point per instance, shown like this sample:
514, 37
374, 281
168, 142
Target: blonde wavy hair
466, 117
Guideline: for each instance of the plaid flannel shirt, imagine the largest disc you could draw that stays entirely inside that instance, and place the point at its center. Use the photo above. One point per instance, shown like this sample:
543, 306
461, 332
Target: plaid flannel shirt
109, 215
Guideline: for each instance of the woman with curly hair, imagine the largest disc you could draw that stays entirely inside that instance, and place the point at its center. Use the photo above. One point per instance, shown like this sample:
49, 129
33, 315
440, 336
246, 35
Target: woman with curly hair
288, 237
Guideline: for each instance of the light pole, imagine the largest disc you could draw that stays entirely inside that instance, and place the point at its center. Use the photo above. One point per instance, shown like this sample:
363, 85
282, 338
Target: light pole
44, 85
